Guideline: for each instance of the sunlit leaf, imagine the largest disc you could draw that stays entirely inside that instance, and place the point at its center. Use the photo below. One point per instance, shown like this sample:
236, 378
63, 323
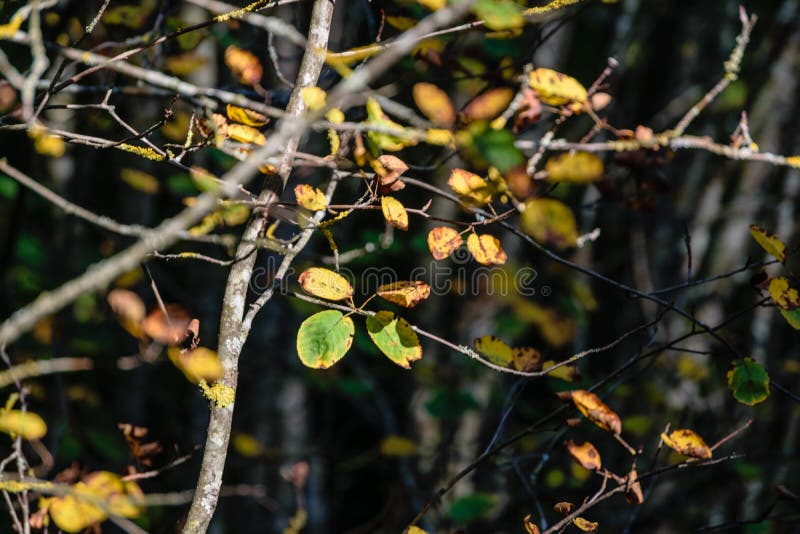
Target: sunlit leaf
324, 338
443, 241
325, 284
488, 105
198, 364
549, 221
769, 242
140, 180
310, 198
567, 373
129, 309
398, 446
433, 5
495, 350
245, 116
596, 410
785, 296
499, 14
389, 168
486, 249
749, 381
394, 212
470, 185
688, 443
530, 526
246, 134
577, 168
405, 293
585, 525
167, 329
585, 454
28, 425
8, 30
395, 337
313, 97
385, 141
72, 514
244, 65
557, 89
434, 104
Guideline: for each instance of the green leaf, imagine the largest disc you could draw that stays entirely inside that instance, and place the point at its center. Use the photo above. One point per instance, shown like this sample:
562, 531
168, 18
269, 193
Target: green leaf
499, 14
471, 507
749, 381
450, 404
8, 187
497, 148
324, 338
792, 317
394, 337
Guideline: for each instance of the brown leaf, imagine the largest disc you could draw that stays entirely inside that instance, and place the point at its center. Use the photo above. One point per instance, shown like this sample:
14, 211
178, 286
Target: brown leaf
406, 293
443, 241
563, 507
167, 329
389, 169
633, 493
129, 309
530, 526
585, 525
596, 410
244, 64
585, 454
527, 359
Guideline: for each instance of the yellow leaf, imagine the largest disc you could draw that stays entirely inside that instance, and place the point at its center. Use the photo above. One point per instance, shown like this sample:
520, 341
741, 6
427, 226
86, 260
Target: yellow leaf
549, 222
406, 293
247, 445
443, 241
440, 137
28, 425
793, 161
433, 5
72, 514
246, 134
244, 65
688, 443
577, 168
486, 249
246, 116
123, 498
401, 23
394, 212
8, 30
784, 296
557, 89
567, 373
769, 242
596, 410
585, 454
585, 525
434, 104
313, 97
140, 180
83, 506
470, 185
325, 284
530, 526
398, 446
198, 364
415, 530
495, 350
488, 105
385, 141
310, 198
47, 144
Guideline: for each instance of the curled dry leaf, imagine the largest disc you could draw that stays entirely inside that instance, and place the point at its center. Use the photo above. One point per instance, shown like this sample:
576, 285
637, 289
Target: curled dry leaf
596, 410
633, 493
434, 104
443, 241
244, 65
129, 309
769, 242
170, 329
389, 169
486, 249
310, 198
688, 443
585, 454
325, 284
470, 185
556, 89
394, 212
530, 526
405, 293
585, 525
563, 507
245, 116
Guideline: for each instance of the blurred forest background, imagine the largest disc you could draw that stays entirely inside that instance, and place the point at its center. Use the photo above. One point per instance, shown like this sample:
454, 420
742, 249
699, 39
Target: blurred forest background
448, 409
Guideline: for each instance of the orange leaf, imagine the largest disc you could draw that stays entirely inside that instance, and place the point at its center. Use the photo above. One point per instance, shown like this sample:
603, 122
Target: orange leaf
244, 64
585, 525
389, 168
486, 249
530, 526
405, 294
585, 454
394, 212
434, 104
596, 410
169, 330
488, 105
128, 308
443, 241
688, 443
